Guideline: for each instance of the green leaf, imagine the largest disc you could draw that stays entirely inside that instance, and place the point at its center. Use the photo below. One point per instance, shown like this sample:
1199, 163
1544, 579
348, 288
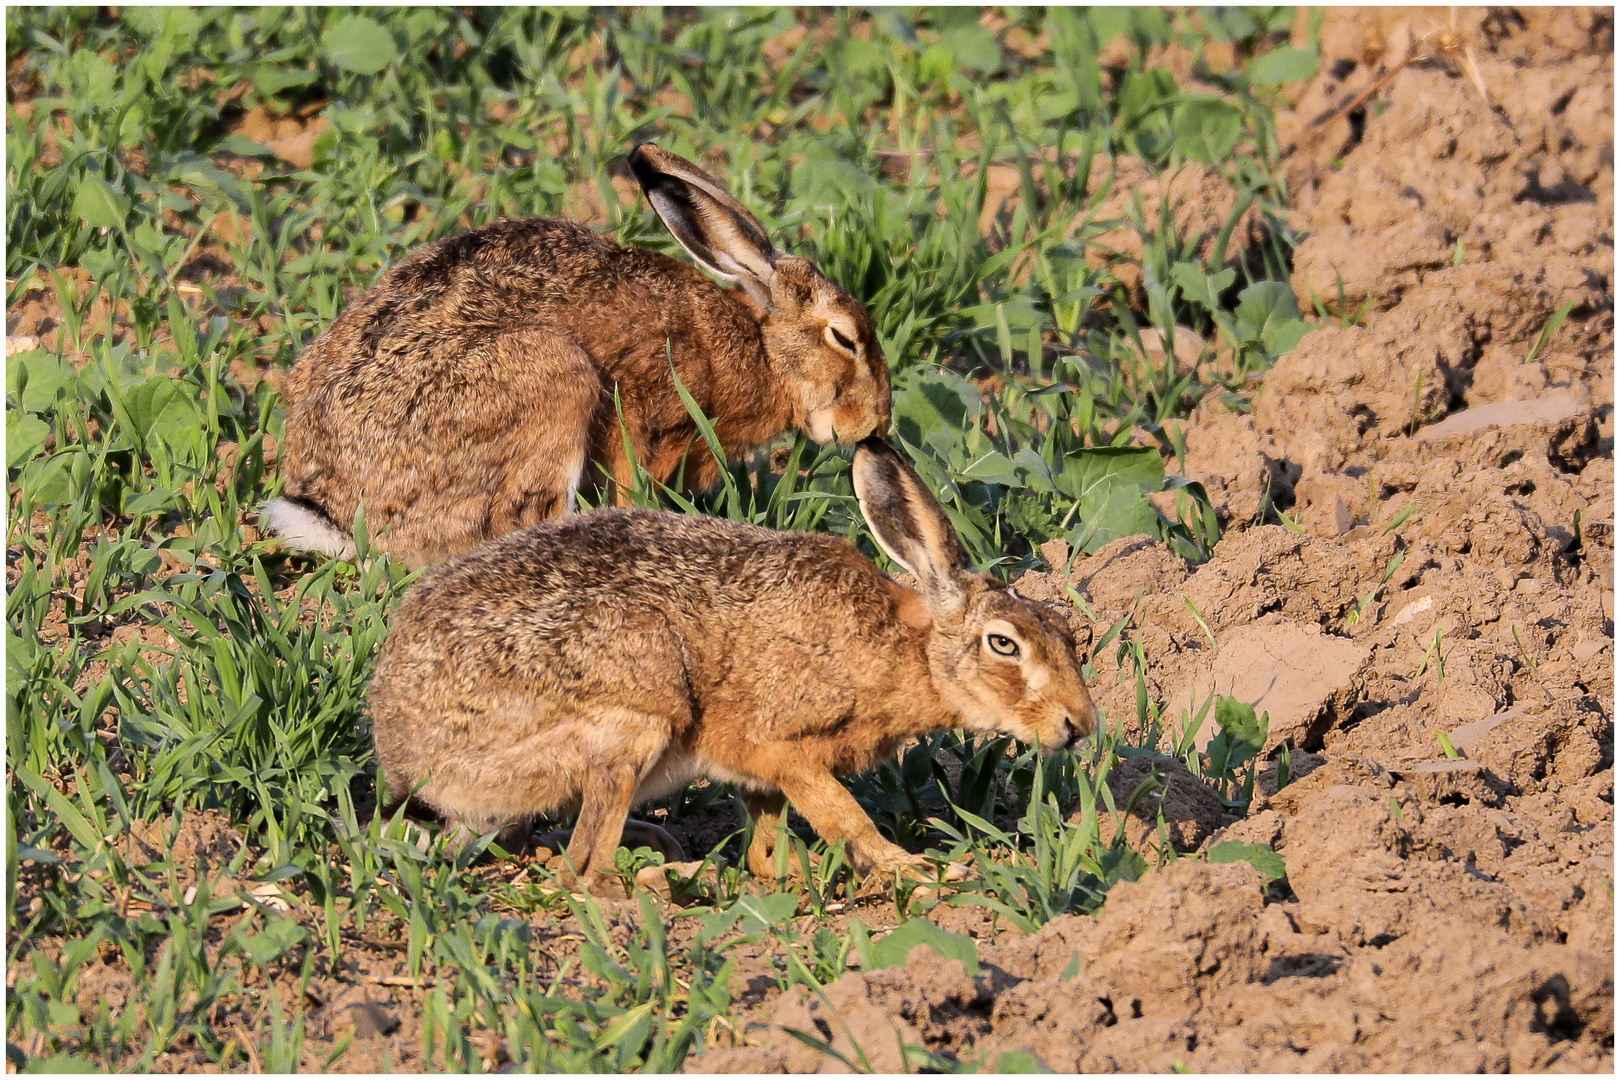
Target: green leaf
25, 437
1020, 1062
995, 468
359, 44
61, 1063
96, 203
1282, 66
163, 409
932, 407
1110, 485
1261, 857
1207, 128
1201, 288
974, 47
1239, 723
75, 822
1268, 313
35, 377
893, 950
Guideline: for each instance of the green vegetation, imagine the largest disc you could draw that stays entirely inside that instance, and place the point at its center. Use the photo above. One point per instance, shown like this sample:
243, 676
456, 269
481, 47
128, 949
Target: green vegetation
193, 195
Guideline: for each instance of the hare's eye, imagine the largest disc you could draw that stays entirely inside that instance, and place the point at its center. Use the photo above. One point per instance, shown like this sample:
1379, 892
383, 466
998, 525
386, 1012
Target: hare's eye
1001, 644
837, 338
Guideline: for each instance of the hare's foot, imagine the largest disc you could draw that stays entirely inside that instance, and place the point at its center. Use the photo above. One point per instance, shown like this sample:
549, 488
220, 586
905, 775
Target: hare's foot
766, 810
588, 862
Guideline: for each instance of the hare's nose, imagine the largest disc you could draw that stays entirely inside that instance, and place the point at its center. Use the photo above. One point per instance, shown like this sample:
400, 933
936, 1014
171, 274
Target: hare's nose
1079, 727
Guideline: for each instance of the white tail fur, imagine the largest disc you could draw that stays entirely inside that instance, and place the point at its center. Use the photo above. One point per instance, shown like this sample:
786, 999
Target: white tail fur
303, 528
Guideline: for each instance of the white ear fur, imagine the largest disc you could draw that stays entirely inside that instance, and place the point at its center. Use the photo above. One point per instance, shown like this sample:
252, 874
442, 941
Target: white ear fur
909, 524
714, 228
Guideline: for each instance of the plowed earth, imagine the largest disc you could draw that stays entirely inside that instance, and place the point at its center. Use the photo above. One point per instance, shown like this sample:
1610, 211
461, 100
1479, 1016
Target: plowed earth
1441, 913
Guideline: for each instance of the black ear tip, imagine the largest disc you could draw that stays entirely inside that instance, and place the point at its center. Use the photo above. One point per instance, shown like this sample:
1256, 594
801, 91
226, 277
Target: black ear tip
642, 162
876, 444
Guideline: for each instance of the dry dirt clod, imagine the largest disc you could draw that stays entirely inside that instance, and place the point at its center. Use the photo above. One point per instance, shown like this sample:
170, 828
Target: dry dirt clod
1304, 679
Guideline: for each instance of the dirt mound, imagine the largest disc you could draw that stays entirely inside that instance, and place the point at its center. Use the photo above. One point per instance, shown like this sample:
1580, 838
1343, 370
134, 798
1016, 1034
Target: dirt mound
1431, 632
1196, 966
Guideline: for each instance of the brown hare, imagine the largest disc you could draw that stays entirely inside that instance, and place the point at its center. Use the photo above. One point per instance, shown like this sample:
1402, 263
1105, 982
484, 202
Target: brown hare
471, 391
605, 659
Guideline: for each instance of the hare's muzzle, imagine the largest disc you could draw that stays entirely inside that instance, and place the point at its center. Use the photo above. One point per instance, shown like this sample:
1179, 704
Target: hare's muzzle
1079, 724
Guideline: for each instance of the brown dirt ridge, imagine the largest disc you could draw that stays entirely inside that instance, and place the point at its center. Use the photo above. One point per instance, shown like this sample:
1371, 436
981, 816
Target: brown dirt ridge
1446, 469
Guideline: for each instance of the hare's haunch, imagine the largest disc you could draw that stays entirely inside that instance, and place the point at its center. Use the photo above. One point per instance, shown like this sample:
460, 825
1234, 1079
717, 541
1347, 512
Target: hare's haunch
478, 385
606, 659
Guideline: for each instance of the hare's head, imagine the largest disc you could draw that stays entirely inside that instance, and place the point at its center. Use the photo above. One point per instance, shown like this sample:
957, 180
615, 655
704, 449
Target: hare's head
818, 336
1007, 663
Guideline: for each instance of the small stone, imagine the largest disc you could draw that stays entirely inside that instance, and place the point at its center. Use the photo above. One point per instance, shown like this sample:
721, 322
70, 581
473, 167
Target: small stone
1588, 648
1469, 734
1412, 611
1549, 410
1343, 519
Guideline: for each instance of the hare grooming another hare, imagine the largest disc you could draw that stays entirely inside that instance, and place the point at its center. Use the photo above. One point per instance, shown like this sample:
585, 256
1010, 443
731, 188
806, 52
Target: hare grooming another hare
606, 659
470, 391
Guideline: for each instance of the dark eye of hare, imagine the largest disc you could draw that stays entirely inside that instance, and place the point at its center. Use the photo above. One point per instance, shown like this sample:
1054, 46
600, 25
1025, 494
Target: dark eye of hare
1002, 645
842, 341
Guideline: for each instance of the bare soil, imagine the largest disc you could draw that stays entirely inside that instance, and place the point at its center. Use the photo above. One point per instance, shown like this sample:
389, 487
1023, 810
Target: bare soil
1441, 913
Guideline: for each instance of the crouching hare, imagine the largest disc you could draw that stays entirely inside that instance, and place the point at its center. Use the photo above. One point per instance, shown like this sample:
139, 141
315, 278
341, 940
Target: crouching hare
606, 659
471, 391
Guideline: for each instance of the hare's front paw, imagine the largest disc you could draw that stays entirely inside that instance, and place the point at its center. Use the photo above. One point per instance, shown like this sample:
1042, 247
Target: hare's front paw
884, 863
917, 868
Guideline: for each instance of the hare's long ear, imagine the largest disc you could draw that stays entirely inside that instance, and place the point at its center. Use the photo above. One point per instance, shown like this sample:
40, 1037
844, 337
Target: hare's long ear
910, 525
711, 225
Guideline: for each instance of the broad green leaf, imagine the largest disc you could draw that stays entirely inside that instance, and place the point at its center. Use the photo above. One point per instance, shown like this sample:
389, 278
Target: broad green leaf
163, 409
995, 469
48, 480
761, 913
1110, 483
1020, 1062
1259, 856
1282, 66
61, 1063
893, 949
1239, 723
359, 44
1207, 128
39, 375
96, 203
933, 407
1268, 313
973, 47
1201, 288
25, 437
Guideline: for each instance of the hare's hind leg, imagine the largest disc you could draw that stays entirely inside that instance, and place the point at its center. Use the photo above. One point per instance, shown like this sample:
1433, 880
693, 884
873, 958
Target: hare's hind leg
557, 389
